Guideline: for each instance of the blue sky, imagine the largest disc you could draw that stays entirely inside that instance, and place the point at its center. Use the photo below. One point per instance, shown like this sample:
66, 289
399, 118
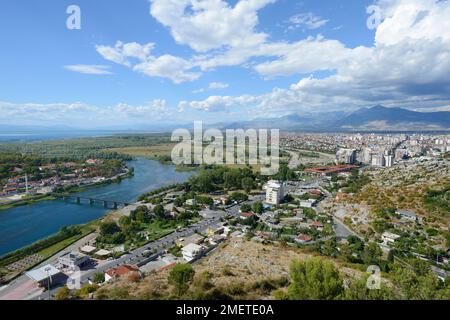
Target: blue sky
140, 61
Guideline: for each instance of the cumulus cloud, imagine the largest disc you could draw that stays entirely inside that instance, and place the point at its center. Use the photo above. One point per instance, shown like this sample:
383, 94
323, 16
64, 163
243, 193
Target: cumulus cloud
122, 52
138, 57
409, 61
168, 66
218, 103
82, 114
205, 25
89, 69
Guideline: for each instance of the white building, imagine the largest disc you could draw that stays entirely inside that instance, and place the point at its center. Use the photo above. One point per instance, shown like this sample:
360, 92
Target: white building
388, 161
378, 160
365, 156
308, 203
191, 251
408, 215
389, 237
347, 156
274, 192
44, 275
191, 202
73, 260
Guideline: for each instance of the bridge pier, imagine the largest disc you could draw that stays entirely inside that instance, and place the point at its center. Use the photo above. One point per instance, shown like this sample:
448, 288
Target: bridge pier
115, 206
91, 201
105, 204
78, 200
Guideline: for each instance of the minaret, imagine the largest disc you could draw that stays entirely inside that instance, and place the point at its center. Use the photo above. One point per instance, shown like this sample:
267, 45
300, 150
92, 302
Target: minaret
26, 183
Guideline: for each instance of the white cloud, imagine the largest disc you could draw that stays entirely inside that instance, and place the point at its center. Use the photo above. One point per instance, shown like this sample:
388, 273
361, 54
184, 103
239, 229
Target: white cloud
83, 115
157, 107
218, 103
212, 86
307, 20
122, 52
408, 63
218, 85
213, 24
89, 69
165, 66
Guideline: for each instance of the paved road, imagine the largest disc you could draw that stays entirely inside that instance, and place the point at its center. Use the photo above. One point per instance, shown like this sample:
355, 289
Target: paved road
159, 245
342, 231
21, 281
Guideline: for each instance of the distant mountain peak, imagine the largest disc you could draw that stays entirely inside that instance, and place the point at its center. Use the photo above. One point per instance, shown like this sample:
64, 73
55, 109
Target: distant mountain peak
376, 118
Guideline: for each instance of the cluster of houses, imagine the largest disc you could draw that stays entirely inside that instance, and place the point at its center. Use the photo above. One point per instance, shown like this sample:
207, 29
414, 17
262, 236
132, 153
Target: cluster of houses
21, 184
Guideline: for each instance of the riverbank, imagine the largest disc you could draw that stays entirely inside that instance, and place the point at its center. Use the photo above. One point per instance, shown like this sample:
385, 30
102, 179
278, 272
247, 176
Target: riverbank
13, 264
42, 250
30, 200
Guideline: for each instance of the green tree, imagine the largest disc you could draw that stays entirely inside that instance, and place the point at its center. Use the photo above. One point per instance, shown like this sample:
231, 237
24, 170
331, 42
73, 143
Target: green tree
98, 278
204, 200
108, 228
358, 290
314, 279
143, 216
247, 184
181, 277
63, 294
246, 207
258, 207
371, 253
124, 221
203, 182
329, 247
239, 196
415, 286
346, 252
159, 211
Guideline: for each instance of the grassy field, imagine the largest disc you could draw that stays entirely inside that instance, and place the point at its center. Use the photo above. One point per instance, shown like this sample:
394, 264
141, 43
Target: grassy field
147, 152
164, 150
54, 249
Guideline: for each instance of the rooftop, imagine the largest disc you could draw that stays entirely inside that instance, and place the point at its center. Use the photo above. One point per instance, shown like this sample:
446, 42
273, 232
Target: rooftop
122, 270
192, 247
88, 249
42, 273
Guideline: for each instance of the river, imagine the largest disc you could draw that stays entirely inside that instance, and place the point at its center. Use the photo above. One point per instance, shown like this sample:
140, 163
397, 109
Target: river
25, 225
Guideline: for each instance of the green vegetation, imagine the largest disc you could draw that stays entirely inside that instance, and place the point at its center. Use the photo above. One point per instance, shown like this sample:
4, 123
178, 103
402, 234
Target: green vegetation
181, 277
314, 279
438, 200
53, 244
356, 182
142, 226
213, 178
98, 278
309, 154
258, 207
84, 148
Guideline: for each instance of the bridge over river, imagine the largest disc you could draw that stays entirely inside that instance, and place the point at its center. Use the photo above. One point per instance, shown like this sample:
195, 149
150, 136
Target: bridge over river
107, 203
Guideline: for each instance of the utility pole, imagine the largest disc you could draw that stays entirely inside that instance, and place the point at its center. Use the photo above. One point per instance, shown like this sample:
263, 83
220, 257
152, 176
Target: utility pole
48, 282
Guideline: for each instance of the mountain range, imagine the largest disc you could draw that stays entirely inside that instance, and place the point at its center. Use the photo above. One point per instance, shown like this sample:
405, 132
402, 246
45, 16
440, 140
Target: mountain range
377, 118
